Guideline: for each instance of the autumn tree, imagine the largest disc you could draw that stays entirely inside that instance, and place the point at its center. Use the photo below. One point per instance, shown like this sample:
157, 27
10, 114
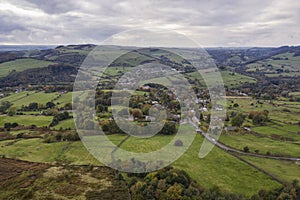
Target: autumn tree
237, 120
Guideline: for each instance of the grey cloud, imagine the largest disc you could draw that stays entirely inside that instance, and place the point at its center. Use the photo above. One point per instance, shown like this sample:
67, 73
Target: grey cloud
214, 23
7, 26
54, 6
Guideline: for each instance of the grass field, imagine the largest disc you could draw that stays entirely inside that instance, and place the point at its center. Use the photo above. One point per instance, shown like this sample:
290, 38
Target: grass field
21, 65
282, 131
16, 96
281, 111
287, 62
217, 169
284, 170
231, 80
296, 94
40, 97
27, 97
63, 99
26, 120
37, 151
264, 145
65, 124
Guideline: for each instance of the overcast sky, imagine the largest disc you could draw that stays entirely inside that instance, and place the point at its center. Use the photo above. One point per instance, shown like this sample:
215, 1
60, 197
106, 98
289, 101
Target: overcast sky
211, 23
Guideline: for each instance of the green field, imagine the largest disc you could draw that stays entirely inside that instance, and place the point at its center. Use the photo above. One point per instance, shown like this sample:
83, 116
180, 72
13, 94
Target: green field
39, 97
287, 63
26, 120
284, 170
65, 124
63, 99
217, 169
281, 131
27, 97
296, 94
263, 144
230, 79
37, 151
21, 65
280, 111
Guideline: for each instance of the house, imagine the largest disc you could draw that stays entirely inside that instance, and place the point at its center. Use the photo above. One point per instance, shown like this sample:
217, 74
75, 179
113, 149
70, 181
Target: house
218, 108
247, 128
230, 128
146, 87
204, 109
130, 118
149, 118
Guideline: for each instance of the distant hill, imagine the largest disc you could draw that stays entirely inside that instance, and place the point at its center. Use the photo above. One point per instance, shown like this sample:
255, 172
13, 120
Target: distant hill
64, 61
25, 47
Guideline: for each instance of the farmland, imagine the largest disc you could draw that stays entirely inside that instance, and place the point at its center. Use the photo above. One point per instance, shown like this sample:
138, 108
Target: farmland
26, 120
280, 65
21, 65
218, 164
261, 125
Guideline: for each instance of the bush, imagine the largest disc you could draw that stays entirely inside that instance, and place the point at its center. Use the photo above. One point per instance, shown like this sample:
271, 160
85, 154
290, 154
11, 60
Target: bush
246, 149
178, 143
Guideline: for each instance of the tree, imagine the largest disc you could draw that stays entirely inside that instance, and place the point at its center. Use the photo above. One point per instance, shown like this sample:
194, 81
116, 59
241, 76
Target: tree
11, 111
259, 117
178, 143
237, 120
137, 113
33, 106
50, 104
174, 192
101, 108
145, 109
4, 106
68, 106
168, 129
58, 137
246, 149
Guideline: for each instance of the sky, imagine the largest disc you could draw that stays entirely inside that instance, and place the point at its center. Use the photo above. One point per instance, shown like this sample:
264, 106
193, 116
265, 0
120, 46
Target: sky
214, 23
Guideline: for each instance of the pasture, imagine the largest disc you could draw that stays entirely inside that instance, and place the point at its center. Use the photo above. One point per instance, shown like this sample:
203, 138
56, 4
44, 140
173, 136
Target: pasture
20, 65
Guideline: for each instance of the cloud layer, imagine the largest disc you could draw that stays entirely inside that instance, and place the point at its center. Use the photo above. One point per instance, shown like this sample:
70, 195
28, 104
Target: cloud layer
211, 23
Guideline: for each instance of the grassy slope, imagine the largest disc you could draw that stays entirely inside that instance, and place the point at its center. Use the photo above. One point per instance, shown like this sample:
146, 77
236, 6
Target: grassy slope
69, 123
276, 112
26, 120
217, 169
284, 170
64, 98
270, 65
26, 97
262, 144
229, 80
16, 96
37, 151
21, 65
39, 97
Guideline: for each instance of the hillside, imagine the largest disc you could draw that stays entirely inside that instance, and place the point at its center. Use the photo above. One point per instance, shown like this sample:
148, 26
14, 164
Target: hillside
58, 66
28, 180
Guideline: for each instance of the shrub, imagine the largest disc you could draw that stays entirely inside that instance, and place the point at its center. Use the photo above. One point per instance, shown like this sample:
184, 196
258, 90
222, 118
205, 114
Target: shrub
246, 149
178, 143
